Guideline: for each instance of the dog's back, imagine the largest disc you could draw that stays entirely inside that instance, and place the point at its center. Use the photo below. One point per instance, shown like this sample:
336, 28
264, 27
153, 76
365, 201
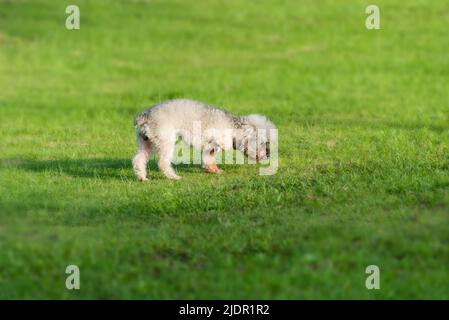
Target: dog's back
181, 114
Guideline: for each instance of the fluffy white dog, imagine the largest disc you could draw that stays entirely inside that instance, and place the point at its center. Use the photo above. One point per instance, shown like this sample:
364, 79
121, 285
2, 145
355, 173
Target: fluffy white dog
204, 127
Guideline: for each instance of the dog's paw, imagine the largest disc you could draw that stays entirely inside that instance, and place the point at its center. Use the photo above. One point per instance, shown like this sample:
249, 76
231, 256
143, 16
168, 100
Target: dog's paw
174, 177
212, 169
142, 179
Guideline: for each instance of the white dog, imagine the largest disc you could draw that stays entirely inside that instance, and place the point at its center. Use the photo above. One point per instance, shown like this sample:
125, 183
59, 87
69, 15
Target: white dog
159, 127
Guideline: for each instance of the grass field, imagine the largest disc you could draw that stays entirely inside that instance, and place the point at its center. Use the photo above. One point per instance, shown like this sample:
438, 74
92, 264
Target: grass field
363, 118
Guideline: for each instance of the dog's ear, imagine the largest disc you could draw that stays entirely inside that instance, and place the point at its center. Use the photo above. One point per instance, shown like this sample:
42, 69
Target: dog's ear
248, 135
248, 129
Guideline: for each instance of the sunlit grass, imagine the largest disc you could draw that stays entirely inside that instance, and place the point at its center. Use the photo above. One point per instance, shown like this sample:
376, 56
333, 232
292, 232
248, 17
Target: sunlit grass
364, 150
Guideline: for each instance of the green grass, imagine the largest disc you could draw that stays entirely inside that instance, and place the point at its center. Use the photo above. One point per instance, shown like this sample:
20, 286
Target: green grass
364, 150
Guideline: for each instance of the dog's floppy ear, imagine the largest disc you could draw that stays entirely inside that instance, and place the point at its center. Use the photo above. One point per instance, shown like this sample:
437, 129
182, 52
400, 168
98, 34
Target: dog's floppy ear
247, 131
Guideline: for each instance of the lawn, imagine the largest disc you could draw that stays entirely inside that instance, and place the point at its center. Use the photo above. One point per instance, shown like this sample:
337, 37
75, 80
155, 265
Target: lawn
363, 119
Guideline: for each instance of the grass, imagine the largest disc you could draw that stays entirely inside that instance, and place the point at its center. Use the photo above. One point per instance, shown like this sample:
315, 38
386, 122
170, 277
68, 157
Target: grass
364, 150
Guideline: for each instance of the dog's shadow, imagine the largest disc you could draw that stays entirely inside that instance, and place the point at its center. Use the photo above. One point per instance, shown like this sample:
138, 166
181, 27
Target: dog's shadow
89, 168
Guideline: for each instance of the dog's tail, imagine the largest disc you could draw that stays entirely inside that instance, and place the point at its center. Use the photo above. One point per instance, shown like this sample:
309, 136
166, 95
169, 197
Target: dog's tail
140, 122
140, 119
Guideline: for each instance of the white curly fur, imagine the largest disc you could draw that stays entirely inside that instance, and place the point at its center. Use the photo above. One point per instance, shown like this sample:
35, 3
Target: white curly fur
158, 127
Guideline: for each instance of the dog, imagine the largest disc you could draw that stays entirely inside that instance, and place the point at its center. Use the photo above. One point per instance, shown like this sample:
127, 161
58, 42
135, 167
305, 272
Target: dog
204, 127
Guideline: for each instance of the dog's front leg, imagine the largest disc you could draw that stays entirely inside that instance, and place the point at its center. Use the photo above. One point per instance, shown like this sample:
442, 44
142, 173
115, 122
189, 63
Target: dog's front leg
209, 160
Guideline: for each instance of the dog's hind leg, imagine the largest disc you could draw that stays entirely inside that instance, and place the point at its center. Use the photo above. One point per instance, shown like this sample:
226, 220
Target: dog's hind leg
140, 160
165, 153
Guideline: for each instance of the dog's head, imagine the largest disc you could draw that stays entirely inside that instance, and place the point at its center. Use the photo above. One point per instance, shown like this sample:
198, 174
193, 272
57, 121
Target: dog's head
254, 138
